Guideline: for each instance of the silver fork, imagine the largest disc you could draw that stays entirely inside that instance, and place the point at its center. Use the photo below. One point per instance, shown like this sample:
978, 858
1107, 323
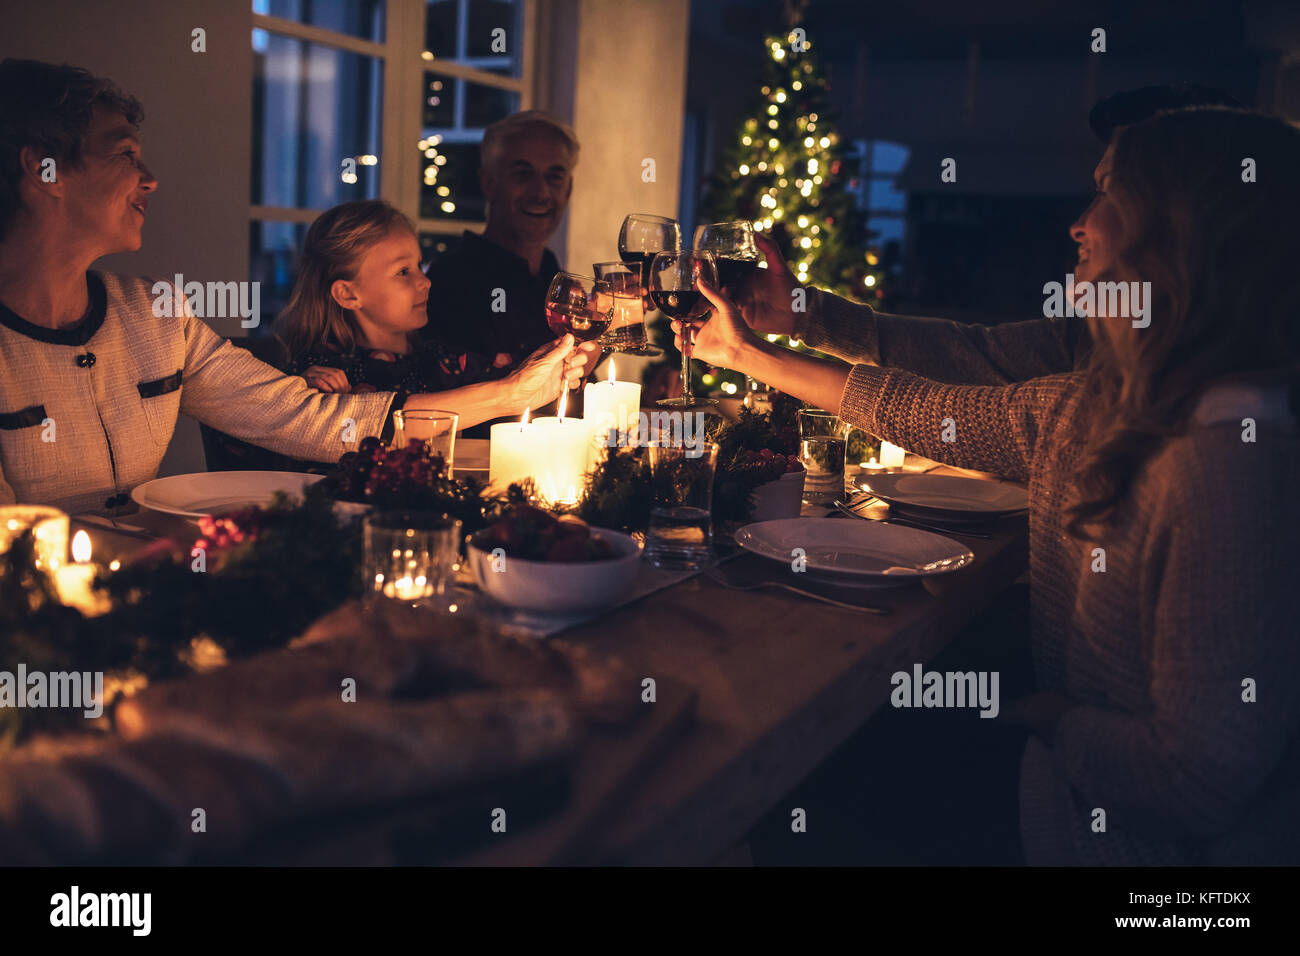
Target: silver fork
867, 608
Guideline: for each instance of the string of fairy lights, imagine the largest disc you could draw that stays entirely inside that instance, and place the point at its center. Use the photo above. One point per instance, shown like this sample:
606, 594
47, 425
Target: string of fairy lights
785, 176
806, 171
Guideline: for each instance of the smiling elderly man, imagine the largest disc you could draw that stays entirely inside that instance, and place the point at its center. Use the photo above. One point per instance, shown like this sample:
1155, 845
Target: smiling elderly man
527, 176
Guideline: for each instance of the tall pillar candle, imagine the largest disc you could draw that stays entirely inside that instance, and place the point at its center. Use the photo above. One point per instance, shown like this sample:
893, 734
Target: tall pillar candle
512, 453
611, 404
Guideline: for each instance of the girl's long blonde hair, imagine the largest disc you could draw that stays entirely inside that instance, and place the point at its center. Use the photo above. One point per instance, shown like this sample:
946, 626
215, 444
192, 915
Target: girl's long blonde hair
336, 243
1217, 239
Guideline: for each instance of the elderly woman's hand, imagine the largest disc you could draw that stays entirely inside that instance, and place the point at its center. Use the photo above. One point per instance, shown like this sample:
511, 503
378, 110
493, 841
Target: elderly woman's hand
721, 339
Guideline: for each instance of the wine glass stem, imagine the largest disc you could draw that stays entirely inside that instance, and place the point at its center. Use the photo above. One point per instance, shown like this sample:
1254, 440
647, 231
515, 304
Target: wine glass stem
687, 332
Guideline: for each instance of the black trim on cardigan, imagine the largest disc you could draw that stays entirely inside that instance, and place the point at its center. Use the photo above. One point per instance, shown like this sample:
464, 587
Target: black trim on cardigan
78, 334
390, 425
25, 418
160, 386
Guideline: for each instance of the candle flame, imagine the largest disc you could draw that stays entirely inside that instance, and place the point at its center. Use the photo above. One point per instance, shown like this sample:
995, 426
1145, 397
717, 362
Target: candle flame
564, 399
81, 547
611, 371
524, 420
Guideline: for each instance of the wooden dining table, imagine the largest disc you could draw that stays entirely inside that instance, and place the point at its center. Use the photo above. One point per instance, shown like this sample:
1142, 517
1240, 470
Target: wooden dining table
778, 682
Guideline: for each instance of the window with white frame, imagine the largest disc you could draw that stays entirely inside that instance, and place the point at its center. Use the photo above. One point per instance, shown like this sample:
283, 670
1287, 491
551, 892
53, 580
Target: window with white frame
877, 164
356, 99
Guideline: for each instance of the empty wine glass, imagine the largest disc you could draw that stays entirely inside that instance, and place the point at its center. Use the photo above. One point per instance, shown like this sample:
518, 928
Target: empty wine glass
674, 290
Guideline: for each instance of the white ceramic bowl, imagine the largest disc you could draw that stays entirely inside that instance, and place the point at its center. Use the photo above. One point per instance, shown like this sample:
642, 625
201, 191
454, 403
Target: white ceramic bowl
556, 586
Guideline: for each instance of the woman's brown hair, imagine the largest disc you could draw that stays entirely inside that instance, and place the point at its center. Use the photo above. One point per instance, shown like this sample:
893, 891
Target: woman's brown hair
336, 243
1216, 236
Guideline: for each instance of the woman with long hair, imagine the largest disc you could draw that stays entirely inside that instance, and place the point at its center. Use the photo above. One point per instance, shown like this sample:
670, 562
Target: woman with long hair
1163, 511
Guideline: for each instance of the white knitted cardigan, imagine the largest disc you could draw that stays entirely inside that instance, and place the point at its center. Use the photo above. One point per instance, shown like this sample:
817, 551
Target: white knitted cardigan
86, 414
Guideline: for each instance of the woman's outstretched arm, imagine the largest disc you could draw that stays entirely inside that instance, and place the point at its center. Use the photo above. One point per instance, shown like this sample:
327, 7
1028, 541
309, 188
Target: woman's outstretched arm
990, 428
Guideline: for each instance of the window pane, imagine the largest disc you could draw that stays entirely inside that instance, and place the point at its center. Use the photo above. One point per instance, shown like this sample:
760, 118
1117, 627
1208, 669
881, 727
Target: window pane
439, 101
451, 190
440, 23
890, 229
274, 251
490, 36
484, 105
453, 129
486, 16
356, 18
883, 195
888, 157
313, 108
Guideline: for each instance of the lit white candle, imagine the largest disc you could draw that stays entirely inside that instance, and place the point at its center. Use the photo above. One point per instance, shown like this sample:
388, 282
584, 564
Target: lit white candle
511, 452
74, 581
891, 456
563, 449
611, 404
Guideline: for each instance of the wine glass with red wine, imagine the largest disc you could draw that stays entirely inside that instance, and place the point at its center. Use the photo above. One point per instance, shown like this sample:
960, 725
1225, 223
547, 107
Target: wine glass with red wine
674, 289
733, 246
574, 305
641, 238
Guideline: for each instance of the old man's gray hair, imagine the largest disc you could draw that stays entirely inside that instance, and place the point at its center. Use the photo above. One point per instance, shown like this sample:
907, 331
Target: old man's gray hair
499, 133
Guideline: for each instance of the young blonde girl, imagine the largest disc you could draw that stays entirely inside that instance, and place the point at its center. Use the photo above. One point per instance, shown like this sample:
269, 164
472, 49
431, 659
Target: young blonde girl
358, 300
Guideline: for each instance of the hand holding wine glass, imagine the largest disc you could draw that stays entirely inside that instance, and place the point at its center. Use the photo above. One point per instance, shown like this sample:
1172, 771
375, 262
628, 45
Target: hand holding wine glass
578, 305
674, 278
539, 378
765, 298
722, 339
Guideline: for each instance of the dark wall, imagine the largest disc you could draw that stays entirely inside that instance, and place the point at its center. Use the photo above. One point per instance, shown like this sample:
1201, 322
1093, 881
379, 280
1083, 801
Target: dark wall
1004, 87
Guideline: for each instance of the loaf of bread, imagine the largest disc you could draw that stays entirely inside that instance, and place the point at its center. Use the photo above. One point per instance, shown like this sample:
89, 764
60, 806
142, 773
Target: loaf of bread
389, 650
135, 801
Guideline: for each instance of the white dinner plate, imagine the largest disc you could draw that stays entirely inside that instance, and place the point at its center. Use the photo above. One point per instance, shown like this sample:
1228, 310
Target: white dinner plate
948, 494
868, 552
217, 492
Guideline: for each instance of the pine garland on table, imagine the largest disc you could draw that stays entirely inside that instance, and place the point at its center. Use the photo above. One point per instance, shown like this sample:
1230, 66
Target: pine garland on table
255, 580
620, 493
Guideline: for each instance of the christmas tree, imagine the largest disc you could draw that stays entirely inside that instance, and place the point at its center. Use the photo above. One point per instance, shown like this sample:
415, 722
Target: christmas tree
783, 172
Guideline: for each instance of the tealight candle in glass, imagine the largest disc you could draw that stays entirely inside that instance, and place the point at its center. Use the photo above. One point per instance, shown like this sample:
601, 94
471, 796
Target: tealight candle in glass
412, 556
49, 526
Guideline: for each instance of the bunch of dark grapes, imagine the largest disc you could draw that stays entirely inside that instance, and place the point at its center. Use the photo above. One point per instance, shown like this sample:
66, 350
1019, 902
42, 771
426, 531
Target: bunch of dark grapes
405, 476
759, 467
349, 479
230, 529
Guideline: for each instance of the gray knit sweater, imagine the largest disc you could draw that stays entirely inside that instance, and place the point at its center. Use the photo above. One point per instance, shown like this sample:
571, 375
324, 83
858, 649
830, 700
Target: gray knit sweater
86, 414
1197, 601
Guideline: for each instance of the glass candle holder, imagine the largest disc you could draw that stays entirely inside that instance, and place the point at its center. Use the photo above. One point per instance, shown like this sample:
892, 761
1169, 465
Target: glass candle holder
49, 526
411, 556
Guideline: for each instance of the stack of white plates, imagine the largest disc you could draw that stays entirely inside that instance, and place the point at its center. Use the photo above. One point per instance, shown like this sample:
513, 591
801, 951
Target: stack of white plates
946, 498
